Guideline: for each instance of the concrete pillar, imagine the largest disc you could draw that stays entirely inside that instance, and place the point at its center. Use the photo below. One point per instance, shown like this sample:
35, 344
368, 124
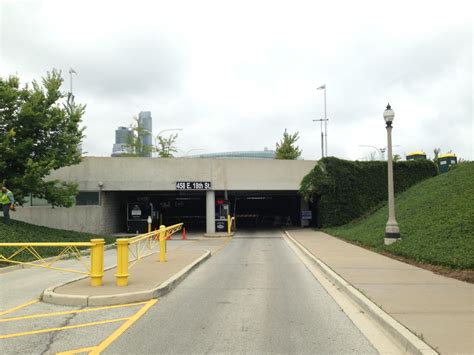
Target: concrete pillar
210, 212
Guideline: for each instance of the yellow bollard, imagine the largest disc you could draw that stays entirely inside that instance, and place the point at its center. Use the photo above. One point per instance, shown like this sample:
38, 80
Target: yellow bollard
229, 226
121, 276
162, 244
97, 261
149, 223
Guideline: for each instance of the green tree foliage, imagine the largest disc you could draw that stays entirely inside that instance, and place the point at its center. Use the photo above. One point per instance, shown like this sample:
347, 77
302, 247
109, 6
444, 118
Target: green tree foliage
135, 142
345, 190
286, 149
166, 146
39, 132
436, 152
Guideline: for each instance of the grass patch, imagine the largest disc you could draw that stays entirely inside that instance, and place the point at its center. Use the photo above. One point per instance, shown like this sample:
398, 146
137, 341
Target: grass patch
20, 232
436, 219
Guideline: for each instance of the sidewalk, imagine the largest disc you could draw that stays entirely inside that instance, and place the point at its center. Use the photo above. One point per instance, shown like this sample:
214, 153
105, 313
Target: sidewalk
438, 309
148, 278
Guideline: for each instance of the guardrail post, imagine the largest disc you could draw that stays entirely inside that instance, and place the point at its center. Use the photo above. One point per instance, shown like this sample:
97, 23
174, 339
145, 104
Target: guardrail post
149, 220
162, 244
121, 276
97, 261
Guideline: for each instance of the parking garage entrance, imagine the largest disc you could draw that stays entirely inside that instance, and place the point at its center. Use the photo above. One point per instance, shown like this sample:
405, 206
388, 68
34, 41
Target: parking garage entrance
252, 209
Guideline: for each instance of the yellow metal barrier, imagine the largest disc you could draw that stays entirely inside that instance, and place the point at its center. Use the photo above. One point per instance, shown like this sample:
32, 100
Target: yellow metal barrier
95, 271
139, 247
230, 222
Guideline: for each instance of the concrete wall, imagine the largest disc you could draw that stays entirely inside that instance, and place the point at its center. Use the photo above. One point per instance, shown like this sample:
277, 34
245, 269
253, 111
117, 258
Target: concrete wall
104, 219
79, 218
156, 174
161, 174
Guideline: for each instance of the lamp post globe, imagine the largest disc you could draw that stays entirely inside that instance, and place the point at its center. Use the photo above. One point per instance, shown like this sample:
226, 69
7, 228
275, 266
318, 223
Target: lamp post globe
392, 231
388, 115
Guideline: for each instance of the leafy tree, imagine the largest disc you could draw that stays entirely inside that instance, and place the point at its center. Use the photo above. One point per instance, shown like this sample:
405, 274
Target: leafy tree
166, 146
39, 132
286, 149
396, 157
135, 144
436, 152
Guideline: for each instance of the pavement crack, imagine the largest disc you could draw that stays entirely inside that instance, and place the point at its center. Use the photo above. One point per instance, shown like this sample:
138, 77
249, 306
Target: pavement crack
53, 335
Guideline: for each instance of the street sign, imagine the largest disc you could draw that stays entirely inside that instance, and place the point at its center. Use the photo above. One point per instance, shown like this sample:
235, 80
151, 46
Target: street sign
306, 215
193, 185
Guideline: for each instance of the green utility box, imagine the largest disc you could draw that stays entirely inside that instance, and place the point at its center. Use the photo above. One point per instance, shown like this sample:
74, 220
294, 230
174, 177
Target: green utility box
445, 161
419, 155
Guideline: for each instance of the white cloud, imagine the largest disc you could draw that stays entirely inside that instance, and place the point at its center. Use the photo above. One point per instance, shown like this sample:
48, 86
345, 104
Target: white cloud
235, 75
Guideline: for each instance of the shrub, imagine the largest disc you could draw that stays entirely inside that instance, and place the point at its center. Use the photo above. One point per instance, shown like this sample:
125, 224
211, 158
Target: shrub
346, 190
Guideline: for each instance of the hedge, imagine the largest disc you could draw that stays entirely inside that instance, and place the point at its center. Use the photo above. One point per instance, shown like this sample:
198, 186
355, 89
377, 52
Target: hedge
346, 190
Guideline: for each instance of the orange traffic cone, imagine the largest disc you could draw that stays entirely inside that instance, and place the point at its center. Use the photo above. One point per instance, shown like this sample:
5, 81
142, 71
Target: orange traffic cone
184, 234
169, 237
155, 235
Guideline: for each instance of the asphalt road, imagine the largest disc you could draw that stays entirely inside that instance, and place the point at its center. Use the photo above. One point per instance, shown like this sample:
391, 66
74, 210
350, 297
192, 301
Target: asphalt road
255, 296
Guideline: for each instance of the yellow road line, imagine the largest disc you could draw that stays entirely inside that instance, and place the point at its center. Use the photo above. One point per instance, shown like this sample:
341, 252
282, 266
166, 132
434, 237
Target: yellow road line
76, 351
99, 348
6, 336
18, 307
43, 315
222, 246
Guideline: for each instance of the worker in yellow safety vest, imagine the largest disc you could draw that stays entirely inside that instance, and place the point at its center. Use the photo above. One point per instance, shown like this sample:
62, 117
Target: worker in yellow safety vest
7, 201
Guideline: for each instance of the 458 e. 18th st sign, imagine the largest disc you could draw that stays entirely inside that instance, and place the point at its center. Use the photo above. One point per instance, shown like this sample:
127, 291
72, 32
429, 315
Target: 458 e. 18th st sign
193, 185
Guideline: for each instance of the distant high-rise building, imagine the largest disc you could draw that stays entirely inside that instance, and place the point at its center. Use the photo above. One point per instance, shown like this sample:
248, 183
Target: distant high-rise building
145, 121
123, 136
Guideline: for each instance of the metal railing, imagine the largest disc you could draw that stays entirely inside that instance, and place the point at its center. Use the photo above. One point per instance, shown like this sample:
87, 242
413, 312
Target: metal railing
140, 247
95, 271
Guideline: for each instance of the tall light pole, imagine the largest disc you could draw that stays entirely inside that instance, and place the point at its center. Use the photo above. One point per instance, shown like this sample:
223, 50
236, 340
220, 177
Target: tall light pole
322, 136
323, 87
71, 72
392, 231
380, 150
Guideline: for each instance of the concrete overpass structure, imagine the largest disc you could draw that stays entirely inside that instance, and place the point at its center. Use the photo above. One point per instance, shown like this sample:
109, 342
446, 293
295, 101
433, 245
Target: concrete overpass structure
114, 192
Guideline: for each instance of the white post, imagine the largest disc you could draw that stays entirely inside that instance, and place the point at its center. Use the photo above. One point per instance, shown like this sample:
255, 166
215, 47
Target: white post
392, 231
210, 212
325, 124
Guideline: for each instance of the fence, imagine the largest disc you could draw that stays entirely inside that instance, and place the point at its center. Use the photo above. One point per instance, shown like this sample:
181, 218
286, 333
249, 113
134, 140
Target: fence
140, 247
95, 271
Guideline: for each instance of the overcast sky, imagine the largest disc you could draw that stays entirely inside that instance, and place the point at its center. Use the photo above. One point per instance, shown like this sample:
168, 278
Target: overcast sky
235, 74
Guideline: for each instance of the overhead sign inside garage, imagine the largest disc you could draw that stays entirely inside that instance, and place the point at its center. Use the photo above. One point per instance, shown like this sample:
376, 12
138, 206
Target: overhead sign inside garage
193, 185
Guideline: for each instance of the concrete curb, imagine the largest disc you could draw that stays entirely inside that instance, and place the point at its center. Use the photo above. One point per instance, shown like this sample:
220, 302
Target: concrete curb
6, 269
404, 337
50, 296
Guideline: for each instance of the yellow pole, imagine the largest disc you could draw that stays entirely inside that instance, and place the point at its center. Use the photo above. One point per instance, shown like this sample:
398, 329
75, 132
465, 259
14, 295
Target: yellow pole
149, 227
162, 244
229, 227
97, 261
121, 276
